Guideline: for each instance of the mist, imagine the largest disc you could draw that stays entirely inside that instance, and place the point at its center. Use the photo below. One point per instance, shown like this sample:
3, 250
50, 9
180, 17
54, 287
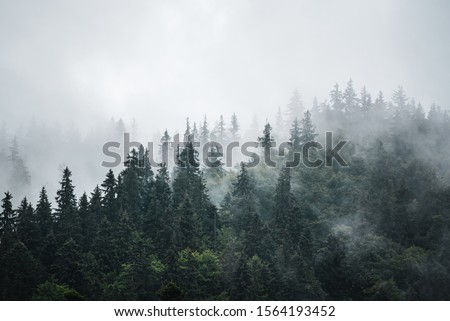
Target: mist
83, 62
77, 75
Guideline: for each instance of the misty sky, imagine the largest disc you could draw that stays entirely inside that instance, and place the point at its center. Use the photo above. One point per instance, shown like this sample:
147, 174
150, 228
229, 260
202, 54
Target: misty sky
160, 61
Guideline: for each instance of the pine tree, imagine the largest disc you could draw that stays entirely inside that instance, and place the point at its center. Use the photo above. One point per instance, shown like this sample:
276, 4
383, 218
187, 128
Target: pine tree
295, 135
131, 198
85, 219
399, 98
45, 224
147, 178
336, 99
7, 218
188, 180
220, 130
68, 219
350, 99
295, 106
189, 230
315, 107
366, 101
161, 221
27, 229
166, 137
187, 132
266, 142
164, 147
44, 215
243, 186
20, 176
307, 131
109, 201
19, 270
380, 104
282, 210
234, 128
195, 133
245, 220
204, 132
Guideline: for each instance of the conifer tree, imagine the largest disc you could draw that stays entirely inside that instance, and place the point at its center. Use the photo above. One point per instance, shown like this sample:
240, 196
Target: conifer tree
204, 132
295, 133
109, 201
7, 218
68, 219
336, 99
350, 98
27, 229
234, 128
295, 106
307, 131
44, 215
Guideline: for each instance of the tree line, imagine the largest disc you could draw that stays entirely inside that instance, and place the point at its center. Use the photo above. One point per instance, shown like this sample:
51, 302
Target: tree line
376, 230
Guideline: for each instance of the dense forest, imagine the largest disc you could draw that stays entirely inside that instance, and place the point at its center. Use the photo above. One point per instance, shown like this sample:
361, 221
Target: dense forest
377, 229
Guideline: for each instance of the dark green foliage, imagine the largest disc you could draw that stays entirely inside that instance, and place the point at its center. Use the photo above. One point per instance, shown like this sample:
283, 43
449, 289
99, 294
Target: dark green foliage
68, 224
19, 270
7, 218
377, 230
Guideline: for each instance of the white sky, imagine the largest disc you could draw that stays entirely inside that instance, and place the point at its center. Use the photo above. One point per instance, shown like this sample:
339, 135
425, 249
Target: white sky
160, 61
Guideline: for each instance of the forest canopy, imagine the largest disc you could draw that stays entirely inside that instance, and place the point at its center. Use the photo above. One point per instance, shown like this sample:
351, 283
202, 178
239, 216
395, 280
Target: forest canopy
377, 229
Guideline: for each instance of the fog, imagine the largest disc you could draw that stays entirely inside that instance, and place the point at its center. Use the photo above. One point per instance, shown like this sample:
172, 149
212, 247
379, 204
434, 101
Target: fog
80, 62
370, 77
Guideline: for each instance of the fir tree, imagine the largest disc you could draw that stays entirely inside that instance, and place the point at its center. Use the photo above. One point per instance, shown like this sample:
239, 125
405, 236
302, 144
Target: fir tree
307, 131
295, 106
27, 229
295, 133
7, 219
109, 201
204, 132
234, 128
68, 220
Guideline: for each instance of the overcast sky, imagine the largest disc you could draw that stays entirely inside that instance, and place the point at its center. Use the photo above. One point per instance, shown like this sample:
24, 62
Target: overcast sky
160, 61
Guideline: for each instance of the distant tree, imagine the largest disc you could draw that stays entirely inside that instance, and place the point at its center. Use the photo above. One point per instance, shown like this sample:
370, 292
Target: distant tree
220, 131
336, 99
195, 133
315, 107
109, 201
295, 106
204, 132
234, 128
295, 133
366, 101
20, 176
350, 98
399, 98
280, 123
307, 131
187, 132
380, 105
266, 141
